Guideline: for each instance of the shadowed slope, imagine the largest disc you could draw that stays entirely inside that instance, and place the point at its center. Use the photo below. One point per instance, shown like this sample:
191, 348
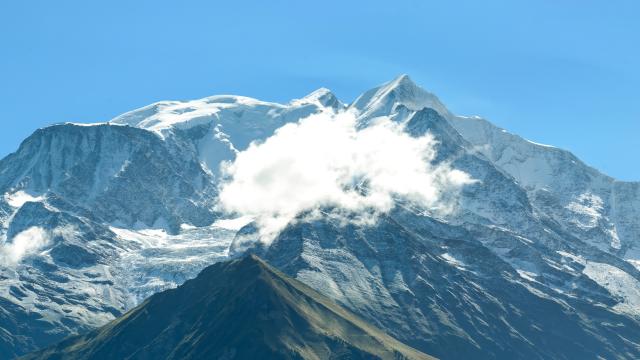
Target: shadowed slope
239, 309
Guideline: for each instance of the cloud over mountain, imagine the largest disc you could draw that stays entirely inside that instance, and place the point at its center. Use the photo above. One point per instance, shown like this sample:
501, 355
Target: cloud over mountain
326, 161
23, 244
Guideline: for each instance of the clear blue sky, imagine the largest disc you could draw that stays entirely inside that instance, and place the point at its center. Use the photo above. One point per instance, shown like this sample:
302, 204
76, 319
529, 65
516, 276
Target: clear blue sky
565, 73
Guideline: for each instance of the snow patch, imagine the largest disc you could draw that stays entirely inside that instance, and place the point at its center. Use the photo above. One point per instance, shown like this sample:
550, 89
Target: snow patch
187, 227
618, 283
576, 258
615, 240
233, 224
588, 208
147, 238
453, 261
184, 114
527, 275
539, 144
19, 198
85, 124
321, 98
635, 263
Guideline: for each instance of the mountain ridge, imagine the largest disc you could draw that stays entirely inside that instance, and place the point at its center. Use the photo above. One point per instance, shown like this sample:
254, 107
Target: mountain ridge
247, 309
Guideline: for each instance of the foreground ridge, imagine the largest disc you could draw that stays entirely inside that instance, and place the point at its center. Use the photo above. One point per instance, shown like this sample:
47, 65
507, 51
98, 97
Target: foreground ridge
241, 309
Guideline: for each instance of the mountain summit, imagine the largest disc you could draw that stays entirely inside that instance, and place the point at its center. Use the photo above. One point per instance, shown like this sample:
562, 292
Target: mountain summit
241, 309
400, 91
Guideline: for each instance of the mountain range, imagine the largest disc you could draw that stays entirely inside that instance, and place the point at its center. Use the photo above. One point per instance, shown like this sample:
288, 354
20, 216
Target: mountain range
538, 259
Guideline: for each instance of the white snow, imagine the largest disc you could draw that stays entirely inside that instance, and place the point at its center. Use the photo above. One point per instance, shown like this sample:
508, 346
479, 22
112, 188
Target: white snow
187, 227
539, 144
527, 275
593, 207
316, 98
19, 198
618, 283
576, 258
634, 262
145, 237
214, 148
402, 91
185, 114
588, 209
615, 240
453, 261
233, 224
154, 260
85, 124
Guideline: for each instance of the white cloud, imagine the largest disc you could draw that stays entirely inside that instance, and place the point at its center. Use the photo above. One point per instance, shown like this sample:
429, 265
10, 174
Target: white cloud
325, 161
25, 243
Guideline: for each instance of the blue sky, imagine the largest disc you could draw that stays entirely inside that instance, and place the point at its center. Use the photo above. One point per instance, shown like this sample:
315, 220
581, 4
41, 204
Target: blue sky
565, 73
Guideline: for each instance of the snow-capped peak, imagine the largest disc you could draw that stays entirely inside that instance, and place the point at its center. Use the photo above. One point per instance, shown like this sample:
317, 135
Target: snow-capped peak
400, 91
183, 114
322, 97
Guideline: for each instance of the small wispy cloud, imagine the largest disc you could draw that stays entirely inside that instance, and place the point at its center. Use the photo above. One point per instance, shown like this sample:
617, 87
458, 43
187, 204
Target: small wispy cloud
325, 161
25, 243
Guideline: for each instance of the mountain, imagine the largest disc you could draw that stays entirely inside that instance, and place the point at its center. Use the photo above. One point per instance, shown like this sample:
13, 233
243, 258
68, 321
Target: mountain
240, 309
123, 211
539, 260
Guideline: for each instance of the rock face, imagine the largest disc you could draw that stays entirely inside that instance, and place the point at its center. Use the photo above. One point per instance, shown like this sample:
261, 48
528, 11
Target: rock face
120, 174
438, 289
241, 309
540, 260
590, 205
